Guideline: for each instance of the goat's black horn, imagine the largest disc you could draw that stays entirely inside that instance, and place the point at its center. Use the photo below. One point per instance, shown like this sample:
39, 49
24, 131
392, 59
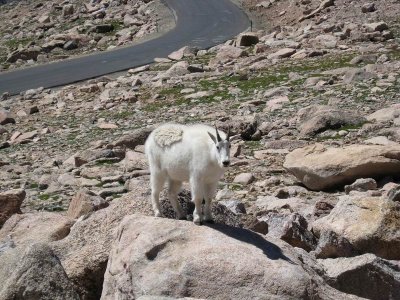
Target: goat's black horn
229, 133
218, 136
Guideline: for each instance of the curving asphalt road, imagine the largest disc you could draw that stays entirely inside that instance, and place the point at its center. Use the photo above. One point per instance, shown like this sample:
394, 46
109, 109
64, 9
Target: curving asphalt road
201, 23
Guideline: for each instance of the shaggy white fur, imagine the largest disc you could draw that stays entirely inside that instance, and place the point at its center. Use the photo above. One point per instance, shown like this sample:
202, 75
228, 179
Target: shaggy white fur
178, 153
167, 135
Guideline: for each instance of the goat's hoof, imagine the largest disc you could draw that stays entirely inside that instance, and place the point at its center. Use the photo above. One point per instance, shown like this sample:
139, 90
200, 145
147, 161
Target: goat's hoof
197, 222
210, 221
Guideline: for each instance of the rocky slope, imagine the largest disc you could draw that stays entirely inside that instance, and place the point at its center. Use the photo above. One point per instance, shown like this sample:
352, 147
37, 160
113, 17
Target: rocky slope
35, 32
312, 193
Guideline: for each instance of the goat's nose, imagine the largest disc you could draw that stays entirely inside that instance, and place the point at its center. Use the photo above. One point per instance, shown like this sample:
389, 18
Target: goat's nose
226, 163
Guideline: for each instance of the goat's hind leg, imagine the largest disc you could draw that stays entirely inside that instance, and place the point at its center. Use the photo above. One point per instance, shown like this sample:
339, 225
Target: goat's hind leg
157, 183
174, 188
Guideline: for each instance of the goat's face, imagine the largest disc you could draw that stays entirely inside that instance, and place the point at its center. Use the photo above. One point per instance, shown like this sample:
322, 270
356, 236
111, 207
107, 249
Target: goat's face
223, 153
222, 149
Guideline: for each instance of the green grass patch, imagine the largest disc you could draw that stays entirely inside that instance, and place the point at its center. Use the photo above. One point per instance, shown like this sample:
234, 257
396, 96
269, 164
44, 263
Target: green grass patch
352, 127
172, 91
262, 81
394, 55
160, 67
155, 106
54, 208
316, 66
253, 145
44, 197
124, 114
72, 136
116, 196
201, 60
14, 43
248, 83
117, 26
235, 187
68, 25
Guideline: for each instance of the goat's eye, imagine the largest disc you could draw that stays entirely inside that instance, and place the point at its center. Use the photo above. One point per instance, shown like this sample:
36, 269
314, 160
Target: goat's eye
229, 146
218, 148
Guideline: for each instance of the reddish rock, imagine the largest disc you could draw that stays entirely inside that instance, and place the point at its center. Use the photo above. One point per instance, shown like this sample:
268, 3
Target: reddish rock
283, 53
5, 118
83, 203
10, 203
25, 137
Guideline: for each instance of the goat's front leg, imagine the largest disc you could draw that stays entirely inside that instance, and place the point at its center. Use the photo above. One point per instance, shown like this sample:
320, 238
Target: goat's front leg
209, 195
197, 199
197, 215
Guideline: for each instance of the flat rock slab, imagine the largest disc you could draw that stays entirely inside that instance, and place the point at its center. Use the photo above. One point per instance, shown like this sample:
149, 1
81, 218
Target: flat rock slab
157, 256
371, 277
370, 225
315, 119
320, 167
27, 229
283, 53
385, 114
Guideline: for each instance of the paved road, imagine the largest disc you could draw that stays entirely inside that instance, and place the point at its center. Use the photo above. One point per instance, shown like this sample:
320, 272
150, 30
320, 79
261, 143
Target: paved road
201, 23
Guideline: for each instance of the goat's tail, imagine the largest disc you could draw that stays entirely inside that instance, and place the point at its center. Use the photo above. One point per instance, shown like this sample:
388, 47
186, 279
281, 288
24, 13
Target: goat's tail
151, 149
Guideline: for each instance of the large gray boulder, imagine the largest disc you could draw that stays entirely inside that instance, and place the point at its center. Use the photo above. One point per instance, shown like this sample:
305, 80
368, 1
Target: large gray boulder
325, 41
386, 114
185, 51
366, 276
332, 245
84, 252
157, 256
282, 53
27, 229
370, 225
320, 167
318, 118
178, 69
24, 54
89, 155
135, 138
227, 53
34, 273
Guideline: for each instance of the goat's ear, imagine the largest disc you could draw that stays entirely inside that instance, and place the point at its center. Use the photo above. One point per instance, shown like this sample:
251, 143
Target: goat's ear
212, 137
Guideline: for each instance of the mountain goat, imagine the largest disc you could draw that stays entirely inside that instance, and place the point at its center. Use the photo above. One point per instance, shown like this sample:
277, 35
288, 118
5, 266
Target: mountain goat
198, 154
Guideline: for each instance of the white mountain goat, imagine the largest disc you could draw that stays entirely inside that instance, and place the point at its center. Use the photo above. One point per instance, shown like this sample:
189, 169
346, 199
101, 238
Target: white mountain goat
178, 153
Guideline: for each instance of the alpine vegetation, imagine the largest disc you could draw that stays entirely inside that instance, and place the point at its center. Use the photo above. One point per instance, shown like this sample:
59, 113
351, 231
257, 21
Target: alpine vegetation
198, 154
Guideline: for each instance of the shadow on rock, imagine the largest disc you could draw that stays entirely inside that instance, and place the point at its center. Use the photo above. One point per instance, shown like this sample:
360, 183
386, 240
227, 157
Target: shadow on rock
271, 250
